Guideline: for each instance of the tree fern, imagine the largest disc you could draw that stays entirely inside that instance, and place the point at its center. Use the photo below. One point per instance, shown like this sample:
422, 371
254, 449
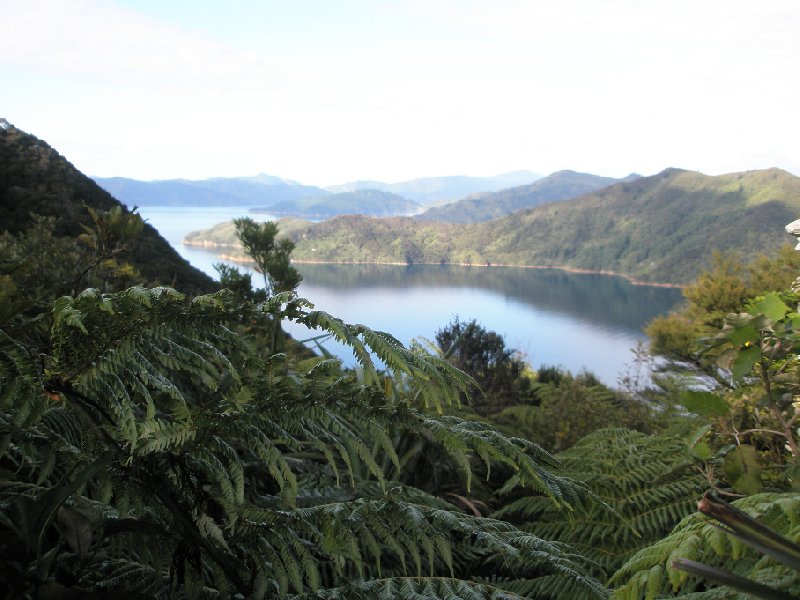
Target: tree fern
161, 452
643, 484
648, 574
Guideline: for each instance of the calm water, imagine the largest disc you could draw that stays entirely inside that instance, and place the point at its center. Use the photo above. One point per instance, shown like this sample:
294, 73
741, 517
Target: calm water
553, 317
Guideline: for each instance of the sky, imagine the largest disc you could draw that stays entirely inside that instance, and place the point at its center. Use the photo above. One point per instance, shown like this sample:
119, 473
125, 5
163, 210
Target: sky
329, 91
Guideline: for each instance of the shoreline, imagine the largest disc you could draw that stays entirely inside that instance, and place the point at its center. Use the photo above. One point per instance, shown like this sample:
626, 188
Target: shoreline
629, 278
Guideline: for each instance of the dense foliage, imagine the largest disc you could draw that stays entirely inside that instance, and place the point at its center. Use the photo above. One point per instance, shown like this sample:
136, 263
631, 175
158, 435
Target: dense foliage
643, 486
159, 444
154, 421
36, 180
498, 370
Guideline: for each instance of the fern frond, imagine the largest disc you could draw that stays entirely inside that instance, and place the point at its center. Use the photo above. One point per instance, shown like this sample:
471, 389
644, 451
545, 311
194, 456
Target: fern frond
634, 502
400, 528
21, 385
195, 439
412, 588
648, 573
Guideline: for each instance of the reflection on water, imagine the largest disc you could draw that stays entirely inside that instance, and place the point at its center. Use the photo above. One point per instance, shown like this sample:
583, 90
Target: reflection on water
593, 299
553, 317
575, 320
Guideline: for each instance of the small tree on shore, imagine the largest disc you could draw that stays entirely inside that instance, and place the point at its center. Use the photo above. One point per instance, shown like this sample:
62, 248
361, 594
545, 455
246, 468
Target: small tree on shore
271, 255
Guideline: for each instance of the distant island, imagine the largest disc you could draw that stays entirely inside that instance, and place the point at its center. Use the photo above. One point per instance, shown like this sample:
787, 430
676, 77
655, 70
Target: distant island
358, 202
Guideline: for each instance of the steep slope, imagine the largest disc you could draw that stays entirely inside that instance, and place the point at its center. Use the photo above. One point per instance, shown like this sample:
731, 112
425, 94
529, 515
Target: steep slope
359, 202
34, 178
261, 190
435, 190
659, 228
561, 185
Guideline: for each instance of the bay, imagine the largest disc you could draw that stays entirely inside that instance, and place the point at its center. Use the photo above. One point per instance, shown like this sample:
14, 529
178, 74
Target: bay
553, 317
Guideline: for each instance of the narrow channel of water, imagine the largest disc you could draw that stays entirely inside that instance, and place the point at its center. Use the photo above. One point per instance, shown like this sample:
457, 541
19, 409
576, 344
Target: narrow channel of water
578, 321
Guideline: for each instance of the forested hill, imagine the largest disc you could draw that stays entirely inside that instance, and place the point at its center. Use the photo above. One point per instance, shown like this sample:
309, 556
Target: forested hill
359, 202
657, 229
561, 185
34, 178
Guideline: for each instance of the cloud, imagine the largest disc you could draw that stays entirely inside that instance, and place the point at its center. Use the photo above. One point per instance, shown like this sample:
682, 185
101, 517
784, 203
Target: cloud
101, 41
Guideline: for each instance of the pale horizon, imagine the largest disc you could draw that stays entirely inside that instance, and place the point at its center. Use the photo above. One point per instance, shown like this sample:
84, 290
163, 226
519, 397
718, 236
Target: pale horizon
327, 93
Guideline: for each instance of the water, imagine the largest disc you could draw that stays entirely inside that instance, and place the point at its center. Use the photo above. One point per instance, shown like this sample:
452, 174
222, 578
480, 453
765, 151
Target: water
174, 222
578, 321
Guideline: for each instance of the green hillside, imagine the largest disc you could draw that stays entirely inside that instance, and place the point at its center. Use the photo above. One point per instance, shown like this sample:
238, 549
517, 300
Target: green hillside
659, 228
224, 234
476, 208
359, 202
655, 229
34, 178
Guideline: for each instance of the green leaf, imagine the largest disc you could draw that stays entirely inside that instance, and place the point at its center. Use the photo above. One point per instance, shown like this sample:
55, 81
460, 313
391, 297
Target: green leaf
743, 470
771, 306
702, 451
741, 335
744, 362
705, 404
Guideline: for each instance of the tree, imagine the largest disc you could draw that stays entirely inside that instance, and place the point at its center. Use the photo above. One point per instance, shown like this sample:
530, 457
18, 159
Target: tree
723, 288
270, 254
498, 370
241, 284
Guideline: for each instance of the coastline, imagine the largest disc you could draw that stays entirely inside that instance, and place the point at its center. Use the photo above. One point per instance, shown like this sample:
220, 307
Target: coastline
629, 278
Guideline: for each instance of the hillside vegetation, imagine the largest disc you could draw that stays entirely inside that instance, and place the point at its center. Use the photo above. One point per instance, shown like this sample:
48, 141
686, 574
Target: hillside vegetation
37, 180
561, 185
655, 229
659, 228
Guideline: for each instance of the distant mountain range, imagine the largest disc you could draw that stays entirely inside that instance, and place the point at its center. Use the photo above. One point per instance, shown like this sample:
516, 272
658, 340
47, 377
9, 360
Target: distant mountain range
261, 190
437, 190
359, 202
661, 228
284, 196
486, 206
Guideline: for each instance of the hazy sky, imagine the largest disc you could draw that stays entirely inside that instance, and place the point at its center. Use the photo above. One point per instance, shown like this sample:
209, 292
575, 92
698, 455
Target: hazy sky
326, 91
